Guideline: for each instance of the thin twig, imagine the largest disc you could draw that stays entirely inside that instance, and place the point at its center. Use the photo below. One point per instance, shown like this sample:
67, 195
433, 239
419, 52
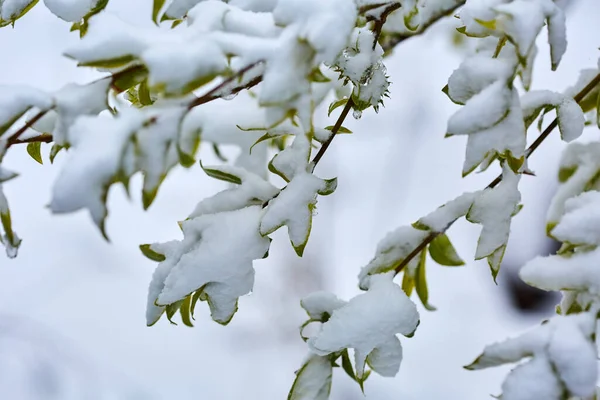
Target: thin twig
43, 138
530, 150
212, 94
394, 40
14, 138
334, 131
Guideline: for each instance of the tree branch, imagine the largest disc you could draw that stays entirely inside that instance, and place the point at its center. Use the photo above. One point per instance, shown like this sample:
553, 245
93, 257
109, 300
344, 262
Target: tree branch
43, 138
530, 150
393, 40
14, 138
213, 93
334, 131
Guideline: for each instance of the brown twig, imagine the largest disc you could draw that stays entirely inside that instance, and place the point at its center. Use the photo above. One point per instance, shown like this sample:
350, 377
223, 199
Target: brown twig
393, 40
334, 131
43, 138
212, 94
530, 150
14, 138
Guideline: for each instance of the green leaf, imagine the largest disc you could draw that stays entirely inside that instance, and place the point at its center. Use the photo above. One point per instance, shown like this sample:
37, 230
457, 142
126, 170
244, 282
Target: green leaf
148, 196
34, 150
218, 153
185, 311
264, 137
347, 365
342, 129
487, 24
12, 18
54, 151
421, 282
130, 78
317, 76
110, 63
408, 284
223, 176
195, 297
361, 381
565, 173
336, 104
157, 5
151, 254
313, 380
7, 226
330, 186
409, 19
144, 93
598, 110
442, 252
171, 309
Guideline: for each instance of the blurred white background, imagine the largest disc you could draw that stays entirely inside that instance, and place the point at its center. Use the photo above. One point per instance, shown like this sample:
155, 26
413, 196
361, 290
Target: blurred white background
72, 305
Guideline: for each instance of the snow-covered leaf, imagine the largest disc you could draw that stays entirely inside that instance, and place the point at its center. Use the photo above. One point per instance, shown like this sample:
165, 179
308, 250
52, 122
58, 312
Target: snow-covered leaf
368, 321
8, 237
570, 116
12, 10
214, 259
294, 208
15, 101
579, 170
250, 189
562, 360
391, 251
442, 252
313, 380
494, 208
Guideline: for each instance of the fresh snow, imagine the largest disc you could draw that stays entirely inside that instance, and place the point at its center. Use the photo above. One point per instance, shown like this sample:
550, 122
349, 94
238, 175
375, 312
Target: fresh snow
369, 321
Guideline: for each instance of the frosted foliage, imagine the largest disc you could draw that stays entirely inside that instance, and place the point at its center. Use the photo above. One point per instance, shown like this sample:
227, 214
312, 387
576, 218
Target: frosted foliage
16, 100
313, 380
440, 219
326, 25
178, 8
369, 321
12, 9
475, 74
202, 59
494, 209
519, 20
580, 224
532, 380
214, 123
292, 160
294, 208
386, 359
71, 10
98, 146
318, 304
579, 166
362, 64
492, 116
253, 190
579, 272
570, 116
75, 100
391, 251
8, 237
156, 145
215, 256
552, 368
